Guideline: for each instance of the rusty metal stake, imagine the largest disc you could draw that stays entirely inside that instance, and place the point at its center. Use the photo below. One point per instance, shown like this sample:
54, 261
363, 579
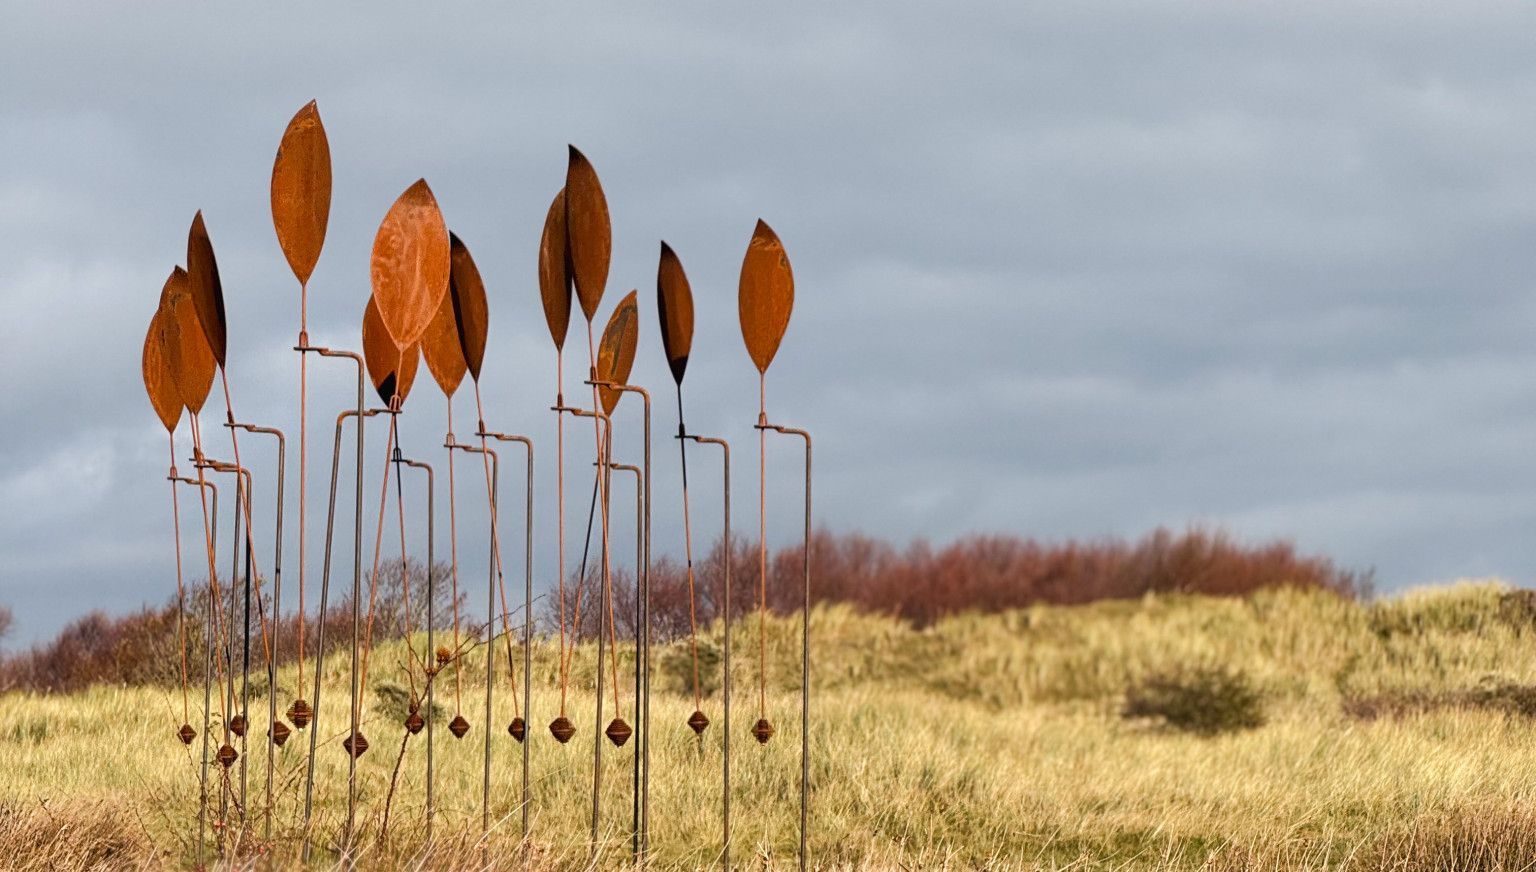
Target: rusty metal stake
208, 654
805, 641
490, 636
725, 737
431, 614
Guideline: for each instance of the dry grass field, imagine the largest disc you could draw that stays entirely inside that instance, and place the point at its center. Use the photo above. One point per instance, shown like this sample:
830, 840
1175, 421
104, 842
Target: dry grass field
1395, 734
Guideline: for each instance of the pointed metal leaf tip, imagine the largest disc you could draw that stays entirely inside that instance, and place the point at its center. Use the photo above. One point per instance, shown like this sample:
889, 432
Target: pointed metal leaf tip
441, 345
471, 312
206, 289
766, 295
392, 369
616, 351
190, 360
301, 191
589, 232
674, 309
410, 264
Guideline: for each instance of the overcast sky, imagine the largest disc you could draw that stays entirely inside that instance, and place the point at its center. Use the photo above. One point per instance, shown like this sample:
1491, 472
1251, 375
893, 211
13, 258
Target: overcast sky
1065, 272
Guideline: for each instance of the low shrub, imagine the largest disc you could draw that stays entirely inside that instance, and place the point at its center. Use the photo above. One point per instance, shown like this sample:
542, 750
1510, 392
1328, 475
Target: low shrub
1202, 700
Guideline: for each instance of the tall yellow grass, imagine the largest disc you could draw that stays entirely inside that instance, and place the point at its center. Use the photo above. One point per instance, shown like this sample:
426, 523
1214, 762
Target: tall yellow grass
982, 742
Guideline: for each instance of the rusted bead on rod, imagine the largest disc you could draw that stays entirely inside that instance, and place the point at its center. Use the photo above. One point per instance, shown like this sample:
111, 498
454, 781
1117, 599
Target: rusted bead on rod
300, 713
458, 726
186, 734
228, 755
698, 722
518, 728
237, 725
562, 729
762, 731
618, 732
355, 745
280, 733
414, 722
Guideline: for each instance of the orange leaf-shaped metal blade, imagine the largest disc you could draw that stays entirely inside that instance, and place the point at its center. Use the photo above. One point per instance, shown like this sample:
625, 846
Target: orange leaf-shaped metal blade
158, 381
391, 368
471, 314
589, 235
441, 347
674, 307
410, 264
301, 191
206, 289
616, 352
554, 272
766, 296
191, 361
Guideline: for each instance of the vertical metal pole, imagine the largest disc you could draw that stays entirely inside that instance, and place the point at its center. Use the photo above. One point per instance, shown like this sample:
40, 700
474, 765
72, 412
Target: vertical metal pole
245, 660
527, 635
725, 766
490, 648
431, 636
277, 594
805, 668
209, 648
357, 591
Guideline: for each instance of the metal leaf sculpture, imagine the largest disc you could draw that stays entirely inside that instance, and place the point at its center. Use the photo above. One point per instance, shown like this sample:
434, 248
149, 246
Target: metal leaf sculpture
301, 191
441, 347
589, 235
206, 289
158, 380
391, 368
554, 272
766, 296
674, 307
191, 361
616, 352
471, 315
410, 264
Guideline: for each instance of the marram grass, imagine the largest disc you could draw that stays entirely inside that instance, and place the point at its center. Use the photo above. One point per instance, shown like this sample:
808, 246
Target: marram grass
991, 741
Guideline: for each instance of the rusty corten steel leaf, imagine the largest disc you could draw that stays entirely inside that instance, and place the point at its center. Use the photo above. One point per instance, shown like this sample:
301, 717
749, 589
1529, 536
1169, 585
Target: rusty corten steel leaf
766, 296
190, 360
471, 314
674, 307
440, 346
589, 235
158, 381
616, 352
206, 289
391, 368
301, 191
554, 272
410, 264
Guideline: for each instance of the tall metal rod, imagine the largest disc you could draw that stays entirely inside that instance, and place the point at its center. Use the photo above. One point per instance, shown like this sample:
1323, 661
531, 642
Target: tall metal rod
604, 476
725, 767
527, 613
209, 647
639, 568
431, 616
277, 615
642, 823
490, 637
805, 642
357, 575
244, 487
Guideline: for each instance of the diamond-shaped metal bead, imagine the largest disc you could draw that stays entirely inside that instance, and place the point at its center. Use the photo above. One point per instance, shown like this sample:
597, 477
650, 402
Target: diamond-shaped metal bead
762, 731
228, 755
698, 722
618, 732
414, 723
458, 726
518, 728
186, 734
356, 744
280, 733
237, 725
300, 713
562, 729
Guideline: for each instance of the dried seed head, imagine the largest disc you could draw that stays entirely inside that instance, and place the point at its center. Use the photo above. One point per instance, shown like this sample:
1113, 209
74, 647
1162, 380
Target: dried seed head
762, 731
562, 729
300, 713
280, 733
356, 744
698, 722
458, 726
618, 732
186, 734
518, 728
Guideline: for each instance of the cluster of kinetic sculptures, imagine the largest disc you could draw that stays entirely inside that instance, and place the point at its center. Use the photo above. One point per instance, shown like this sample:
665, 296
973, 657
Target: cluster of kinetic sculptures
428, 302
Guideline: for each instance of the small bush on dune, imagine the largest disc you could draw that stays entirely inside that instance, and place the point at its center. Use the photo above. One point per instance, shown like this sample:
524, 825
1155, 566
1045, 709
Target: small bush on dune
1202, 700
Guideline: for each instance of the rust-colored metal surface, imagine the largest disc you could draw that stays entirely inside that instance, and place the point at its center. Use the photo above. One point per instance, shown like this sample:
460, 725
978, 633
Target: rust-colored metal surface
410, 264
186, 734
518, 729
472, 315
158, 381
616, 352
554, 272
206, 289
698, 722
300, 713
589, 235
766, 295
191, 362
618, 732
762, 731
356, 745
458, 726
280, 733
301, 191
674, 307
391, 370
441, 347
414, 722
562, 729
